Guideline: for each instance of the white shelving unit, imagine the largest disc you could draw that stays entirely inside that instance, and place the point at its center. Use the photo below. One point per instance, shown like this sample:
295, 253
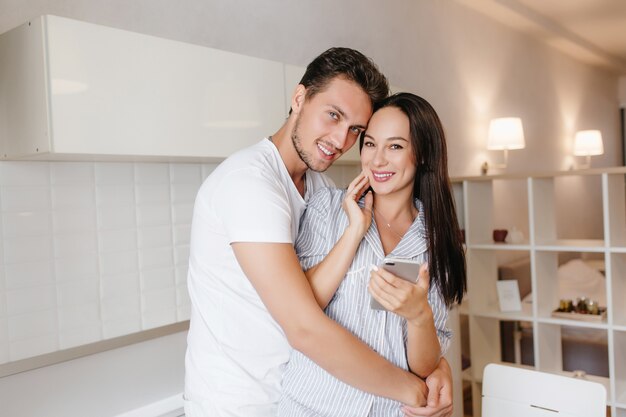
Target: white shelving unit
547, 240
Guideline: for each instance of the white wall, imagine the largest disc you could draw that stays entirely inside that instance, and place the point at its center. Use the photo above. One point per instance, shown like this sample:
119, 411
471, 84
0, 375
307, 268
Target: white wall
622, 91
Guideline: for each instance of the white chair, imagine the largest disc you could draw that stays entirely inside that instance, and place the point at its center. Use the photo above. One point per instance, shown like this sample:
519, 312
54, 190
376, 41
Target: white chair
516, 392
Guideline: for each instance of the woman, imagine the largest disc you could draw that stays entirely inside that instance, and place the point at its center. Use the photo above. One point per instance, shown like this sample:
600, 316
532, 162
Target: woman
403, 159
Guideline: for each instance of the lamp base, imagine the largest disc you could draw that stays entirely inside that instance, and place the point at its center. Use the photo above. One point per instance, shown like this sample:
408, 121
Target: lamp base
484, 168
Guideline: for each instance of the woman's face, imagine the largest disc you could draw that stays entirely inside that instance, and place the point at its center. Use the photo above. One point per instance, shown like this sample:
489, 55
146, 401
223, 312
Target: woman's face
387, 155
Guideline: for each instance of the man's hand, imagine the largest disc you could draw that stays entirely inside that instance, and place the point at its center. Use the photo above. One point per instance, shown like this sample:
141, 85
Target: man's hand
439, 401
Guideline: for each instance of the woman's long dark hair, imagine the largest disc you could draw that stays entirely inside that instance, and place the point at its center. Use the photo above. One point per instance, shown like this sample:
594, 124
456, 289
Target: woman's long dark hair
432, 187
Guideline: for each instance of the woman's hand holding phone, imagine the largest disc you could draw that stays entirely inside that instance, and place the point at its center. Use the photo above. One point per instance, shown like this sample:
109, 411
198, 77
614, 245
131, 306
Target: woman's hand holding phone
359, 218
407, 299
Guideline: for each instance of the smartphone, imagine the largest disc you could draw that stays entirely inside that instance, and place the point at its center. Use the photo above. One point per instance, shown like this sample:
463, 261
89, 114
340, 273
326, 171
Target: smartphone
402, 268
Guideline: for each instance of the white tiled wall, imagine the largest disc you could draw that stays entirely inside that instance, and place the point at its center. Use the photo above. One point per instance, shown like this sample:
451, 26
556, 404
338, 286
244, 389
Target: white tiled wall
91, 251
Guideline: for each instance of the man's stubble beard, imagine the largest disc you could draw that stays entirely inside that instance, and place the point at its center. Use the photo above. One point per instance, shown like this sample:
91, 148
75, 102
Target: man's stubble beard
302, 154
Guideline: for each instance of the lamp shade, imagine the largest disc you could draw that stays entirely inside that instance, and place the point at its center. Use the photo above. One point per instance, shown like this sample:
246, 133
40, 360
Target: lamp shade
588, 142
506, 133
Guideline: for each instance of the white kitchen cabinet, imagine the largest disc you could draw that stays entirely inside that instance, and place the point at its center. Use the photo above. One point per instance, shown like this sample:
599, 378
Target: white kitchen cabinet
70, 89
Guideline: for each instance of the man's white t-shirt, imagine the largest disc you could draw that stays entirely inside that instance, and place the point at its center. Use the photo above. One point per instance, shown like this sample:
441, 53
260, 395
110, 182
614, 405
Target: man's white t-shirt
236, 351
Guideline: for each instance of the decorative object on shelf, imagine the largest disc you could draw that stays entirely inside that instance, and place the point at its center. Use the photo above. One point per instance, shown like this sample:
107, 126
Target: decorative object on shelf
515, 236
588, 143
505, 133
508, 295
584, 309
499, 235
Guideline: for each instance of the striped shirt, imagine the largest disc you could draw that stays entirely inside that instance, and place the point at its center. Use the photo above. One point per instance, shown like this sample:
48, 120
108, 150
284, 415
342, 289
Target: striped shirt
307, 389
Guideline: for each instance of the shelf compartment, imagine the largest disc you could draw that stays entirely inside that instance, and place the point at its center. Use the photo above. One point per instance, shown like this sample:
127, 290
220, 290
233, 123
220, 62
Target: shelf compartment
615, 208
495, 204
552, 195
565, 349
484, 346
618, 288
619, 352
483, 271
552, 284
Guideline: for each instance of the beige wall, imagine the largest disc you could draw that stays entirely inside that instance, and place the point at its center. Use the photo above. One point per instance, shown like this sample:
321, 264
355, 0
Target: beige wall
470, 67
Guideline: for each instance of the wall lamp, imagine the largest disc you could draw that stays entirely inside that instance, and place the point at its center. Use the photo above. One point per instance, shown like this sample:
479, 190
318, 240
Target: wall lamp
588, 143
505, 133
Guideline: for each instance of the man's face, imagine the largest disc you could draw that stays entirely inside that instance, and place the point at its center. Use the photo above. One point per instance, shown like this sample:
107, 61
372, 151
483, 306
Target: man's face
329, 123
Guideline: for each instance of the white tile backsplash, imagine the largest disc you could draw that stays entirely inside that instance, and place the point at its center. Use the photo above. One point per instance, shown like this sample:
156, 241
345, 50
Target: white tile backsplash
115, 173
183, 312
153, 216
181, 255
182, 213
182, 234
80, 336
31, 325
68, 246
117, 240
184, 193
155, 300
26, 348
115, 218
126, 306
157, 279
31, 300
154, 237
151, 258
181, 275
153, 194
185, 174
117, 286
28, 274
207, 169
156, 318
75, 173
115, 195
81, 292
94, 250
73, 196
73, 221
76, 268
116, 263
27, 249
24, 174
152, 173
3, 308
26, 223
4, 340
25, 199
120, 327
76, 316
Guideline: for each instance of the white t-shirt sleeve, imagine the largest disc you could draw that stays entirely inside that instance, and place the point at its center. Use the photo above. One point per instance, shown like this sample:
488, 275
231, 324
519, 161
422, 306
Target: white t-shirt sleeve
253, 208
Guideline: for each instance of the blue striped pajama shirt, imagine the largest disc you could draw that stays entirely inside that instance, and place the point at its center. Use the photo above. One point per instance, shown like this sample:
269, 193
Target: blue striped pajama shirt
307, 389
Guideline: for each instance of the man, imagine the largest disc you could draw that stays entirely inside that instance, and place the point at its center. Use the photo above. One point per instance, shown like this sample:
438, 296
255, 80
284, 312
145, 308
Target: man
250, 299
